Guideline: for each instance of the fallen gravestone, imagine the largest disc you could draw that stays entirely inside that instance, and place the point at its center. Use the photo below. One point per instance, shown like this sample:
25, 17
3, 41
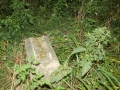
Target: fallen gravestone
40, 49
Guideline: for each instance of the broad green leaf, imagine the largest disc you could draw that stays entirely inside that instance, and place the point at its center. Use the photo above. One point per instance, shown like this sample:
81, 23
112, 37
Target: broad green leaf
86, 65
78, 49
56, 78
61, 73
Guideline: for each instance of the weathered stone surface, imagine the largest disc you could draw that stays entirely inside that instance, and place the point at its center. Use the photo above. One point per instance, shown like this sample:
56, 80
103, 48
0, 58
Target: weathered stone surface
40, 49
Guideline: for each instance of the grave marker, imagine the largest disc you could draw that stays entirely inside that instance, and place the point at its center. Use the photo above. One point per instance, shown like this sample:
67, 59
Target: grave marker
41, 50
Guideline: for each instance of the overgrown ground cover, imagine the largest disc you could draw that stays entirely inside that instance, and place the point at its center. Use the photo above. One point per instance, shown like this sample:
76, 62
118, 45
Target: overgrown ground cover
84, 34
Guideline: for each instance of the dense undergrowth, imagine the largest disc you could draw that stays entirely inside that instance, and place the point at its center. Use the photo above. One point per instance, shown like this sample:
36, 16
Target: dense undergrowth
84, 34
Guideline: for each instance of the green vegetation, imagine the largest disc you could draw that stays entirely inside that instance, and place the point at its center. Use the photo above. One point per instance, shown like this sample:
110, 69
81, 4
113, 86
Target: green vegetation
85, 35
